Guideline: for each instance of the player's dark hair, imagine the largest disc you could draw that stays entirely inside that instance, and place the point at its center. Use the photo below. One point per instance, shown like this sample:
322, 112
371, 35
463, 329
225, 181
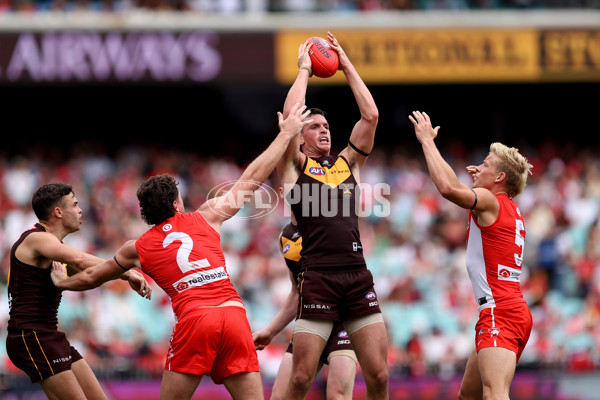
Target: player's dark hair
48, 196
316, 111
156, 196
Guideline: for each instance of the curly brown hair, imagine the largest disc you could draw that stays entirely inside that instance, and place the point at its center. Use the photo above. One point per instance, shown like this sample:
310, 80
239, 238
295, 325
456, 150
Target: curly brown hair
156, 196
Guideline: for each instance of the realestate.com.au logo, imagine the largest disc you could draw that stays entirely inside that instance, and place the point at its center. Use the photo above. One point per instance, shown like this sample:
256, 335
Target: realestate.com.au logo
251, 200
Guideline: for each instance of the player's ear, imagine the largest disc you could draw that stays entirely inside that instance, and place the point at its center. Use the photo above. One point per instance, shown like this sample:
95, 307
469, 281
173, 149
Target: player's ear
501, 177
57, 212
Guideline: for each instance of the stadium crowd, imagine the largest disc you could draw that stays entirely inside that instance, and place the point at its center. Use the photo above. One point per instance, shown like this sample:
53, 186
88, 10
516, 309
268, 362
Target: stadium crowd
414, 244
264, 6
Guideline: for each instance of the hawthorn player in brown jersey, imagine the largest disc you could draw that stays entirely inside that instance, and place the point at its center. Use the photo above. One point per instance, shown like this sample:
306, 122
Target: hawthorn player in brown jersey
34, 343
322, 191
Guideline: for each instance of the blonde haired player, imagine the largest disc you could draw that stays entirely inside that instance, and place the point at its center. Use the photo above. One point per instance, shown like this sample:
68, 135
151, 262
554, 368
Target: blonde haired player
495, 243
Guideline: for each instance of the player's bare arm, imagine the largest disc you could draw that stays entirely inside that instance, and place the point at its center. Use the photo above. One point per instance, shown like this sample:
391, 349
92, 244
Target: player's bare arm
289, 166
363, 133
297, 93
41, 247
443, 175
125, 259
286, 315
221, 208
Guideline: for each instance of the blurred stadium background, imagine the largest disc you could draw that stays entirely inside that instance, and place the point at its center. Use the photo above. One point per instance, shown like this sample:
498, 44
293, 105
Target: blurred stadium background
102, 93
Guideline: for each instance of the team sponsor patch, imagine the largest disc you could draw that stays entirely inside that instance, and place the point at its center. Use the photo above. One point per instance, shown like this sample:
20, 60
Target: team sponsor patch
200, 278
508, 274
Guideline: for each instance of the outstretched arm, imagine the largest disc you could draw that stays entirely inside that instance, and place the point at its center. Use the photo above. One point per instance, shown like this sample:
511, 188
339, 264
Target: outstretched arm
442, 174
292, 158
221, 208
125, 259
286, 315
297, 93
363, 133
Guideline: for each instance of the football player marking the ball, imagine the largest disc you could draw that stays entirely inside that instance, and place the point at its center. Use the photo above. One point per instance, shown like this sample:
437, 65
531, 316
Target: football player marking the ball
336, 284
495, 240
182, 253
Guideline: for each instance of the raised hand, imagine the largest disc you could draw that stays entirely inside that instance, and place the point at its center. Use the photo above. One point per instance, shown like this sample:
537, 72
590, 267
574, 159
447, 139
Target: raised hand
344, 60
297, 120
423, 128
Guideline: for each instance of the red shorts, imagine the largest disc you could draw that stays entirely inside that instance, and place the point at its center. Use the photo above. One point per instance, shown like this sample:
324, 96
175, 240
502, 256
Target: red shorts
40, 354
214, 341
507, 327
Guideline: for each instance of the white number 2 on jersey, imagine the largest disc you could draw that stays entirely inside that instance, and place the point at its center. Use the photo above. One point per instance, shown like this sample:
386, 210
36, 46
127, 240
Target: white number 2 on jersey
183, 254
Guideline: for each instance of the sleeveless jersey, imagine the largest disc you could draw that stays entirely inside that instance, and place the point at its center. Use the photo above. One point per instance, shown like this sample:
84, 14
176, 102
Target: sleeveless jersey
290, 243
324, 201
183, 256
495, 256
33, 299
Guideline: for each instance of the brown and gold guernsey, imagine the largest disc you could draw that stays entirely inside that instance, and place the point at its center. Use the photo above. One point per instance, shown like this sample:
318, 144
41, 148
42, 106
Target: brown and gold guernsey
32, 297
324, 201
290, 242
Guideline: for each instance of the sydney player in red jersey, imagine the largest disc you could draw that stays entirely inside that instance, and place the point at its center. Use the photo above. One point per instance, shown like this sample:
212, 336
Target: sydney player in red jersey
495, 241
182, 253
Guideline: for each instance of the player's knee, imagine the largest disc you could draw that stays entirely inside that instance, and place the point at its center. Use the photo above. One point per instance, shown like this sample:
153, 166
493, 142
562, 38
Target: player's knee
302, 380
340, 392
378, 378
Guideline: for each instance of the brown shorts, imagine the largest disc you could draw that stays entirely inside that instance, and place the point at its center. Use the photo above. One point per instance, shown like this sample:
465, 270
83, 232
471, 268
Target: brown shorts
40, 354
338, 340
337, 294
